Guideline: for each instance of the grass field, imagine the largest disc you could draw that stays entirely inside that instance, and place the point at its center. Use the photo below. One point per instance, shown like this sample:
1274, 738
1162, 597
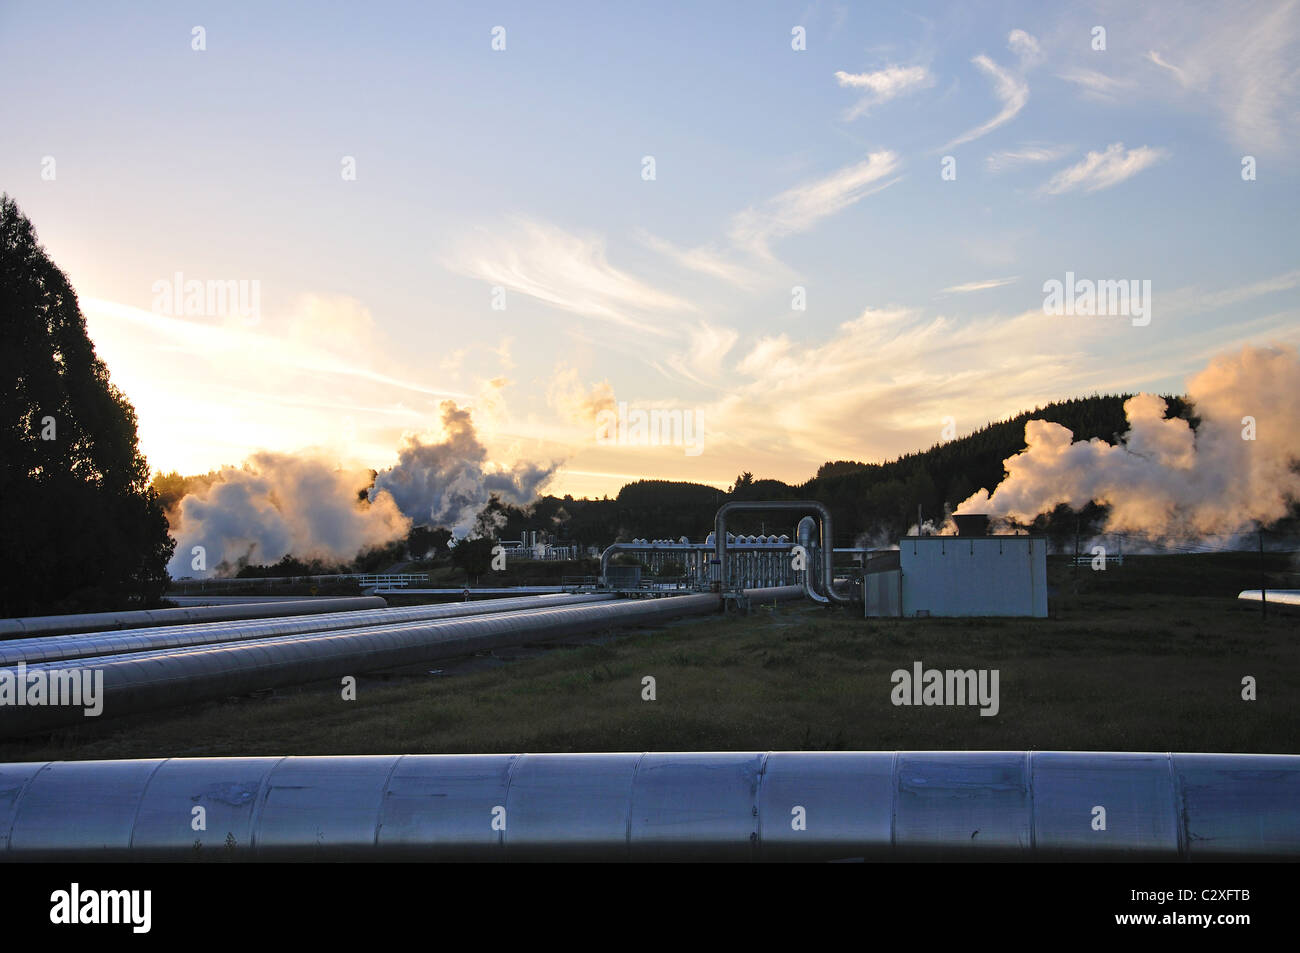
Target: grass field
1113, 670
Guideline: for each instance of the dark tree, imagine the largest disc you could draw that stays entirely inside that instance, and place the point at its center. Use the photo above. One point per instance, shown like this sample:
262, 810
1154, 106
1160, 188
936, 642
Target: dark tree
419, 542
80, 526
473, 556
441, 539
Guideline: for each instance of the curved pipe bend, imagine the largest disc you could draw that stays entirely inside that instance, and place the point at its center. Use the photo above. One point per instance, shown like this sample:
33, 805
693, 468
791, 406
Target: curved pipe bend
769, 506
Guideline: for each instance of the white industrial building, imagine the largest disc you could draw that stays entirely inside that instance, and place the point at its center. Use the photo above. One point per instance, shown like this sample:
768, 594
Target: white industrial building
960, 576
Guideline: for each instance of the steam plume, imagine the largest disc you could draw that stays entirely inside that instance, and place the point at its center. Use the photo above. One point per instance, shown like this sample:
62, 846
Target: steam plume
1163, 477
447, 483
278, 504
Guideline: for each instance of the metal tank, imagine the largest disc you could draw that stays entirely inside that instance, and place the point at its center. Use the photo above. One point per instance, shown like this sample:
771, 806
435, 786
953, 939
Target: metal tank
764, 806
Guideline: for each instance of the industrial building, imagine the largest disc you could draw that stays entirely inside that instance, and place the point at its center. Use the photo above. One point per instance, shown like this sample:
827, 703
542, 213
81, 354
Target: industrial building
970, 574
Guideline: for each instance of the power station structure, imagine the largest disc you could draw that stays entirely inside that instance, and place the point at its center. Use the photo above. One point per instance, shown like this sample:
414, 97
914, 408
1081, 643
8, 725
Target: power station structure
726, 563
240, 649
970, 574
762, 806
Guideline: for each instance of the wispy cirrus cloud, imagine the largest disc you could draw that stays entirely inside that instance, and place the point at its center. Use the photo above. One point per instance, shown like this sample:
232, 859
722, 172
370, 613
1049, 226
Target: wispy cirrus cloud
980, 285
798, 209
1095, 85
1026, 47
1156, 58
1025, 154
789, 420
1101, 170
1238, 61
568, 271
880, 86
212, 391
702, 360
705, 259
1195, 300
1008, 85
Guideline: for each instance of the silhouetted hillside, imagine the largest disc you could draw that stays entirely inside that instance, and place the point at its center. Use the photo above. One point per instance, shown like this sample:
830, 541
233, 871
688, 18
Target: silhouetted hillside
879, 499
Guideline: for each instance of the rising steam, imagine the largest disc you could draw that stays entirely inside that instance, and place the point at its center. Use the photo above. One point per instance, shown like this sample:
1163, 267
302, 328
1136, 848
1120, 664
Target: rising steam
447, 483
281, 504
277, 504
1238, 468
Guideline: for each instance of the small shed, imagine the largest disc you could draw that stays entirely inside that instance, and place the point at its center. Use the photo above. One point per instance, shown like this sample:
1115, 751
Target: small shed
973, 576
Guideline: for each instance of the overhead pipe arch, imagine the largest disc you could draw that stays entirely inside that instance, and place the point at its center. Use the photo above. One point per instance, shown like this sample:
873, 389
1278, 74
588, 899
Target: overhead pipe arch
776, 506
614, 548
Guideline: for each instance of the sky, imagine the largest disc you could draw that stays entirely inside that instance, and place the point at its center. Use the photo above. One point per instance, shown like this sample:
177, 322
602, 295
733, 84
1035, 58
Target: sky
821, 231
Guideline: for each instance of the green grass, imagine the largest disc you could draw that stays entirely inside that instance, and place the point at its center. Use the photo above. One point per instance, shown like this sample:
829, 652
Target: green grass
1112, 671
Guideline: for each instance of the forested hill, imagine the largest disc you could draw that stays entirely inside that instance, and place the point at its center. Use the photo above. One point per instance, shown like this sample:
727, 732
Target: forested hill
886, 495
875, 498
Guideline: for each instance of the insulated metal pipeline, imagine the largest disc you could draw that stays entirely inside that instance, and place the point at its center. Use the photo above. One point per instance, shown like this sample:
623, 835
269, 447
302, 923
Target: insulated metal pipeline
141, 681
804, 533
767, 506
54, 648
107, 621
691, 552
716, 806
609, 552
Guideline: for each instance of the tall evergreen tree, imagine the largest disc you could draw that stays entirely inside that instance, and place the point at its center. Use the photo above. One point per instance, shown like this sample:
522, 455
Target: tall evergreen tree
80, 527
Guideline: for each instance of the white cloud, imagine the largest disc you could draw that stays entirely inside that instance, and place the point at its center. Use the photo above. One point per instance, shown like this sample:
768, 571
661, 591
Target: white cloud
883, 85
1190, 301
705, 259
798, 209
1026, 47
793, 402
328, 350
1097, 85
1238, 60
1155, 57
567, 271
1011, 89
210, 392
980, 285
1030, 152
702, 361
1101, 170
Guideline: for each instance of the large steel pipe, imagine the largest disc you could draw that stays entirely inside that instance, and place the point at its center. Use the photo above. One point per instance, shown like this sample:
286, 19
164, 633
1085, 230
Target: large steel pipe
54, 648
939, 805
140, 681
107, 621
804, 534
770, 506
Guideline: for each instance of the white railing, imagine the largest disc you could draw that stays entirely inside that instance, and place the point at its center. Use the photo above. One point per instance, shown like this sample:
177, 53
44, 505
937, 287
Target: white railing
1116, 559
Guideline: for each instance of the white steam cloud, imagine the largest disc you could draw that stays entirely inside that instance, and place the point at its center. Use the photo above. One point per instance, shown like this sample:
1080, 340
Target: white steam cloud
279, 504
447, 483
1236, 469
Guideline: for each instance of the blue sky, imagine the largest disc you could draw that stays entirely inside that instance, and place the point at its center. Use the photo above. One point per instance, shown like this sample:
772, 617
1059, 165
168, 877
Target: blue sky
522, 169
